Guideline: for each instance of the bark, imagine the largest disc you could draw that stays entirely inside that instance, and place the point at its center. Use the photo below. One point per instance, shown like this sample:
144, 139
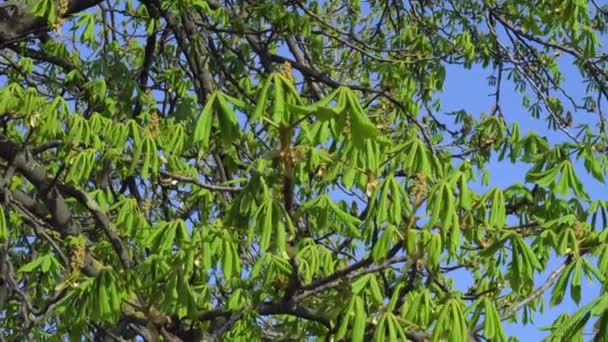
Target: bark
17, 23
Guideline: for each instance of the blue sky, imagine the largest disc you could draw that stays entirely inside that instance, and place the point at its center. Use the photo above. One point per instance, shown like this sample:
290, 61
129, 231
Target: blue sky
469, 90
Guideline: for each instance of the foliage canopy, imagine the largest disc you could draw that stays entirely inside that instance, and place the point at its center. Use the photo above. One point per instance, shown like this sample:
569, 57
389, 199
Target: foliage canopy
205, 169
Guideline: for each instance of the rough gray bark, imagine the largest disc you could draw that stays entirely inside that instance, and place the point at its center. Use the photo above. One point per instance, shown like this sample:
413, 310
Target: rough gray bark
16, 22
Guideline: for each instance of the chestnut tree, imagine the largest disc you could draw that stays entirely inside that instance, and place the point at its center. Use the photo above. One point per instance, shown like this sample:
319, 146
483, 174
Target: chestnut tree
201, 170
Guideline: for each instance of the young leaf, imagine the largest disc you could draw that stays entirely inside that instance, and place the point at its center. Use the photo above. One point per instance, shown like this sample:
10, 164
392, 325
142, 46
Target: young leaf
202, 128
359, 321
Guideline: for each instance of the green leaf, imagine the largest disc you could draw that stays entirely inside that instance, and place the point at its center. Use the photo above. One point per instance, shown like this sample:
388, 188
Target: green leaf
379, 332
358, 332
383, 244
261, 100
359, 284
347, 313
46, 9
545, 178
497, 211
44, 263
229, 126
265, 216
575, 284
278, 104
202, 129
375, 290
575, 183
4, 233
434, 249
492, 327
559, 289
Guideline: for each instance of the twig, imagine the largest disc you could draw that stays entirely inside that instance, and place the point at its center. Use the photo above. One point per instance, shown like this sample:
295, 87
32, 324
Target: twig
535, 294
211, 187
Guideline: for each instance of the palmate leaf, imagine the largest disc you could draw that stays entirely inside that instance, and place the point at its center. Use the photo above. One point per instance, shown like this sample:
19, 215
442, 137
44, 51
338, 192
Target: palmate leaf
56, 110
389, 328
568, 180
596, 165
575, 282
524, 263
359, 321
228, 123
591, 269
418, 158
46, 9
129, 216
82, 165
347, 314
323, 204
418, 307
226, 117
393, 202
492, 327
559, 289
173, 138
567, 242
353, 314
571, 327
271, 268
231, 262
273, 225
379, 333
383, 245
278, 103
309, 255
78, 302
105, 297
362, 127
79, 130
44, 263
285, 100
166, 234
347, 107
465, 195
434, 249
178, 296
260, 108
368, 283
322, 108
202, 129
442, 207
575, 183
497, 213
545, 178
265, 227
451, 323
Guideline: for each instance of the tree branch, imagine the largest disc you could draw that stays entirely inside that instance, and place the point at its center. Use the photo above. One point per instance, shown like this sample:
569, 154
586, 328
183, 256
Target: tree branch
16, 23
210, 187
53, 199
551, 279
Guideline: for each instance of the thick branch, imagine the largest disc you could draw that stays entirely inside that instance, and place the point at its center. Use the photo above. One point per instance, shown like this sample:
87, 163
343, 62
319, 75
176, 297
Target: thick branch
45, 186
103, 220
16, 23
